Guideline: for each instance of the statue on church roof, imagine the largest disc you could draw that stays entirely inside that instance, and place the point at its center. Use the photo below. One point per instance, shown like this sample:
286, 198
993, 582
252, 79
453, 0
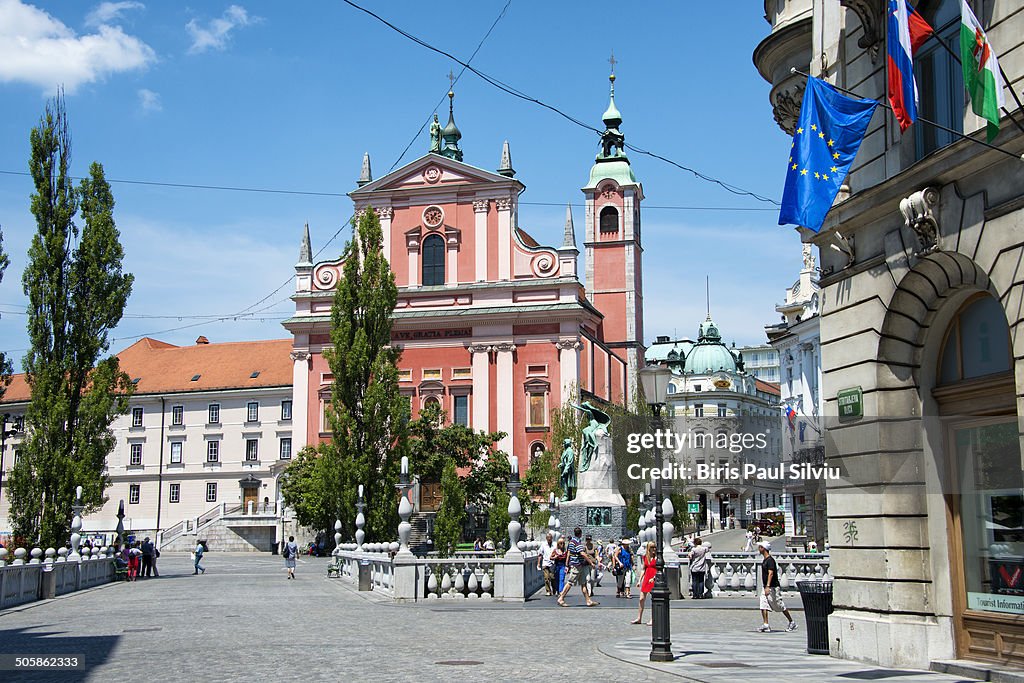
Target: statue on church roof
435, 135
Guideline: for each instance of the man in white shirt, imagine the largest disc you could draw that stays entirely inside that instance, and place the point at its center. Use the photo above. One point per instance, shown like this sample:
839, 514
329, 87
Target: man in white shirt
544, 562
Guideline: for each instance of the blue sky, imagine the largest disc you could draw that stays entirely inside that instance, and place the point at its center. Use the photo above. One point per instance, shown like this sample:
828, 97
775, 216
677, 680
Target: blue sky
288, 97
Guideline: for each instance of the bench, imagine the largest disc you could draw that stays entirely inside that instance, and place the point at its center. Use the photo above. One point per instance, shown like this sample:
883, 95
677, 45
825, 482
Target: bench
334, 567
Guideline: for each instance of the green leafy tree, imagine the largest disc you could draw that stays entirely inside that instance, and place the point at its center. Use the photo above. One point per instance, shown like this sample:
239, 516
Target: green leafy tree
498, 519
367, 414
432, 445
452, 514
311, 485
77, 292
540, 480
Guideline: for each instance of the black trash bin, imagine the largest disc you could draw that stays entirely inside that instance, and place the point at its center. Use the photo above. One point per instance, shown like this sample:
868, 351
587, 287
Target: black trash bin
817, 599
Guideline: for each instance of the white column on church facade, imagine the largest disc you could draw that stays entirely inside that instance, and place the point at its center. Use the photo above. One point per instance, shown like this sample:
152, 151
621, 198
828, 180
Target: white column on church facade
568, 367
451, 270
413, 245
480, 238
504, 207
505, 394
386, 214
300, 399
481, 387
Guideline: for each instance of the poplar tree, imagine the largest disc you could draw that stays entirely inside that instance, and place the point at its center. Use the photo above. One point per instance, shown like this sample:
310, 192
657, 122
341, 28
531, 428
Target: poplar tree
5, 362
76, 293
367, 414
451, 516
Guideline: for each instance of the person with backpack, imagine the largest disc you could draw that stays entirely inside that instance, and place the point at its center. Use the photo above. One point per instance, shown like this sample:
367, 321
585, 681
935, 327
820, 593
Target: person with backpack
290, 550
197, 556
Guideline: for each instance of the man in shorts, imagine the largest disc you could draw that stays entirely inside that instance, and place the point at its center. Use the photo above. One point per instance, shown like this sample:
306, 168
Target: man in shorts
771, 600
574, 574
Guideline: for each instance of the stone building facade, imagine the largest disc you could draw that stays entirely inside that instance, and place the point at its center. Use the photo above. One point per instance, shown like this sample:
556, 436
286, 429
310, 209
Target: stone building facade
207, 432
921, 340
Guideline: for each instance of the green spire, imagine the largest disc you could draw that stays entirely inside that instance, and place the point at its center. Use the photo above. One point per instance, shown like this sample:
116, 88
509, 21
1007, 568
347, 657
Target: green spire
451, 134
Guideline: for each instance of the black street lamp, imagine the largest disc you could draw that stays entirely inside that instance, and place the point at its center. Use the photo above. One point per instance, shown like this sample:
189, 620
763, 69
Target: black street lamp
654, 379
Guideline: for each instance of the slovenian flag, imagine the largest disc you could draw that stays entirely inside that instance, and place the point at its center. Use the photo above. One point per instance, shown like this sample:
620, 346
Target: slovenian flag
906, 30
790, 416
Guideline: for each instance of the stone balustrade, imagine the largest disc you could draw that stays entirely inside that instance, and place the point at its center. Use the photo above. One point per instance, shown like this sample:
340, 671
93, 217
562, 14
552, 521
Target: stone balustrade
25, 580
738, 574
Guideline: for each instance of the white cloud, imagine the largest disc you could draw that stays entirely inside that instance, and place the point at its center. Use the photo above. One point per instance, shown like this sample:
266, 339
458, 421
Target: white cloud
216, 33
37, 48
108, 12
149, 100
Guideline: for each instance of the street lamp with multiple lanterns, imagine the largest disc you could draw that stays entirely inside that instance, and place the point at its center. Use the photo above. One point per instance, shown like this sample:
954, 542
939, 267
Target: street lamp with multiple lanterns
654, 380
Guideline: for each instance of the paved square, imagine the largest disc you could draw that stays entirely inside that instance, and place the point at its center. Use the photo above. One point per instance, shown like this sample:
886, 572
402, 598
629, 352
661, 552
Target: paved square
244, 621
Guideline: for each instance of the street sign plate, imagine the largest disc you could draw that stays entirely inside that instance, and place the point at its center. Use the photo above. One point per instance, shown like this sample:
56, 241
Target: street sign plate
851, 403
693, 508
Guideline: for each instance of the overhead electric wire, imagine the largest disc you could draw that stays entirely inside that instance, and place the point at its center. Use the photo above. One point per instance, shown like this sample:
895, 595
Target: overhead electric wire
521, 95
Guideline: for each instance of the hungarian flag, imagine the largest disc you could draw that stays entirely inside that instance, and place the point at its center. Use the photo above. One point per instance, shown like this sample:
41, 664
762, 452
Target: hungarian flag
982, 78
906, 30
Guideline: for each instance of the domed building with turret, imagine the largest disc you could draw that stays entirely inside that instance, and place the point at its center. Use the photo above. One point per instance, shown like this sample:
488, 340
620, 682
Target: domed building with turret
711, 393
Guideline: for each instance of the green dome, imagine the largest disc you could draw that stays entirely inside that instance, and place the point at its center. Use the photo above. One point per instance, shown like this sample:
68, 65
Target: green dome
710, 357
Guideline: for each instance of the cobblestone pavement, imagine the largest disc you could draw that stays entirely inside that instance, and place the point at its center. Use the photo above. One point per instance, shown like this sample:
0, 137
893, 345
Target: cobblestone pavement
243, 621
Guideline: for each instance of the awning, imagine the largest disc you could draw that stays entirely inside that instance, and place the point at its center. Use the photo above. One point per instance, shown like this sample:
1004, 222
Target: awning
767, 511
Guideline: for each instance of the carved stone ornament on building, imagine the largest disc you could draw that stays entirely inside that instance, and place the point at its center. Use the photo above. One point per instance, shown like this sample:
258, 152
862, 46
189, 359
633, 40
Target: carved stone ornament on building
918, 216
568, 344
432, 174
298, 356
871, 14
504, 346
433, 217
386, 213
503, 204
786, 106
478, 348
481, 205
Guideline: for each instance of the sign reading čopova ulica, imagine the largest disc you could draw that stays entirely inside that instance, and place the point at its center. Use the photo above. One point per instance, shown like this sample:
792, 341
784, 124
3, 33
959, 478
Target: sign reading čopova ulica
851, 403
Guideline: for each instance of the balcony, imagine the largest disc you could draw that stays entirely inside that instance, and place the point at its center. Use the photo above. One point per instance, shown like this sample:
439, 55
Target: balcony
789, 45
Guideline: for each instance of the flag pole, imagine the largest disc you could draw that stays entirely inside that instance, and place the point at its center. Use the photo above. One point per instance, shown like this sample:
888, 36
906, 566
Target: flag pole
1013, 92
794, 70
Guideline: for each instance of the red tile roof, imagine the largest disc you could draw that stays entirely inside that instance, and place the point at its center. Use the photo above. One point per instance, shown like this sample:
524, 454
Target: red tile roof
165, 368
767, 387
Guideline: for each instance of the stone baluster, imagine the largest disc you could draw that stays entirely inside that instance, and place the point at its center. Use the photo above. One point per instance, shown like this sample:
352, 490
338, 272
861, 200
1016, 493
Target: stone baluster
514, 508
50, 555
360, 519
3, 557
404, 509
750, 581
472, 584
62, 554
432, 585
36, 553
460, 585
485, 585
19, 556
76, 526
446, 584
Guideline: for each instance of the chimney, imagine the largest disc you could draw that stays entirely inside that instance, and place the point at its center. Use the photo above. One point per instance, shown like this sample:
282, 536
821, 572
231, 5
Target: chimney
662, 339
202, 340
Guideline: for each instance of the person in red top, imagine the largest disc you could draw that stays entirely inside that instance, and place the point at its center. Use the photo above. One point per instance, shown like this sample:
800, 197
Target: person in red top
646, 583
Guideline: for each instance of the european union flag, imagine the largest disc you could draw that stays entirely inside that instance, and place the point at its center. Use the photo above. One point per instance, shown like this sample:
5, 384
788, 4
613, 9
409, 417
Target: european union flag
828, 134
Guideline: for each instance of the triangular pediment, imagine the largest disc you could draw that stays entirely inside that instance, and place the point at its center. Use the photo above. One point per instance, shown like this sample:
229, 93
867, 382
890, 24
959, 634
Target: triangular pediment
432, 171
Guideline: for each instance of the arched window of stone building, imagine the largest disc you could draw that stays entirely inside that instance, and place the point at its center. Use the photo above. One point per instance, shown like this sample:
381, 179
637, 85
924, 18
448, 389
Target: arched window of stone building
433, 260
981, 467
609, 219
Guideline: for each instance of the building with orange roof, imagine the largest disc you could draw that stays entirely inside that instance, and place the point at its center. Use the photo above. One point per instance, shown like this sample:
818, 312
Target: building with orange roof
199, 452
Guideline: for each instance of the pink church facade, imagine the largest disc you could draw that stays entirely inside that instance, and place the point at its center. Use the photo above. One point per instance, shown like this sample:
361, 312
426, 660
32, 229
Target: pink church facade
493, 326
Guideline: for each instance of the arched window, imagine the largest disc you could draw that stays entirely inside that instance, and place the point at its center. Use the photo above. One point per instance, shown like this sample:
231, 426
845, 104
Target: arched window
536, 450
609, 219
977, 343
433, 260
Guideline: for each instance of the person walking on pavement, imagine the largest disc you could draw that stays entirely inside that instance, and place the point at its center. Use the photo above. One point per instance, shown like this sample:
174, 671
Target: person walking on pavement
290, 551
558, 559
770, 599
624, 561
748, 547
699, 567
577, 557
147, 557
545, 563
646, 583
198, 555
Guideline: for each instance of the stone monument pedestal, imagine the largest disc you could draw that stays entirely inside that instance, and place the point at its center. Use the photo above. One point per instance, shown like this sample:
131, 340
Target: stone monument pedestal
598, 509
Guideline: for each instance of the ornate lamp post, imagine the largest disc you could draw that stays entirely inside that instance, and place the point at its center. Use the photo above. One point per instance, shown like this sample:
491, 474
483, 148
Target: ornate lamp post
654, 379
76, 526
120, 524
404, 508
360, 519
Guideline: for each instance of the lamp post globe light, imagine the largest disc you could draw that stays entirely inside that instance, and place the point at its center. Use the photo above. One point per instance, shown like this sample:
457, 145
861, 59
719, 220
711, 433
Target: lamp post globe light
654, 381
